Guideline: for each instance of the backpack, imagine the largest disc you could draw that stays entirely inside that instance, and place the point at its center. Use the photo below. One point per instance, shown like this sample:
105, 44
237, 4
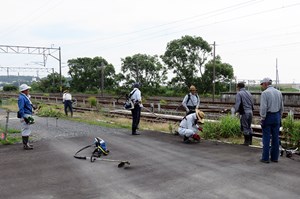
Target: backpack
189, 97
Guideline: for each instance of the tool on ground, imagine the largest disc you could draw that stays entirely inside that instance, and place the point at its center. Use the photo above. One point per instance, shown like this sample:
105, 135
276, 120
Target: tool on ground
100, 149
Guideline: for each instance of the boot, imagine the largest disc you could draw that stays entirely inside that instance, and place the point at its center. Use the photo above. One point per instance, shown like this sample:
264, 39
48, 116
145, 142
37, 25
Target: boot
250, 139
26, 144
246, 140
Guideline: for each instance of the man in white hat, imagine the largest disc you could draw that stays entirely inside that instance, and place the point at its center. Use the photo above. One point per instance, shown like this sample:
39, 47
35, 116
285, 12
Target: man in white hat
189, 127
271, 109
25, 115
191, 101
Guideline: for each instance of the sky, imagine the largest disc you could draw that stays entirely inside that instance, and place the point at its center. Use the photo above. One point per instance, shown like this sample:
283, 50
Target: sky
256, 37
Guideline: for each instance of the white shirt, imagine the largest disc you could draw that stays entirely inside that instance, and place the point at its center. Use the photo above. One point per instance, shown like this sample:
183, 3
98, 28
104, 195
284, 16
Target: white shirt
137, 96
67, 96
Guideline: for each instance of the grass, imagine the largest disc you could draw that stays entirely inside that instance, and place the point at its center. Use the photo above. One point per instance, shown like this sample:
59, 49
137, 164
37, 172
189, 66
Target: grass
12, 136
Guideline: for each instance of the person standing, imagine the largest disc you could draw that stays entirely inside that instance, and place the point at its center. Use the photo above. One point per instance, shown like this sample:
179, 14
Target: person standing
244, 107
67, 100
25, 115
189, 127
271, 109
136, 98
191, 101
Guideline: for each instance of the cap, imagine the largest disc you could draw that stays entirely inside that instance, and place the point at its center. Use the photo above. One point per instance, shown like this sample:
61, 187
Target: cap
200, 116
265, 80
24, 87
192, 88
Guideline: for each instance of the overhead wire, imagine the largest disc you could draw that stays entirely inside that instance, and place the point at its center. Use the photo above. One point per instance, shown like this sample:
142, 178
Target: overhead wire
196, 27
208, 14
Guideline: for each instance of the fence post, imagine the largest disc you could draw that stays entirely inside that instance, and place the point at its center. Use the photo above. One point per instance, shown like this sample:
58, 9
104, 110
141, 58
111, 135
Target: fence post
6, 126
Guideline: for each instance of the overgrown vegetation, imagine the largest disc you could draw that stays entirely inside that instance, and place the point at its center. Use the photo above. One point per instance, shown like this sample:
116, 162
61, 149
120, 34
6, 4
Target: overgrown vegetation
291, 130
50, 111
227, 127
92, 101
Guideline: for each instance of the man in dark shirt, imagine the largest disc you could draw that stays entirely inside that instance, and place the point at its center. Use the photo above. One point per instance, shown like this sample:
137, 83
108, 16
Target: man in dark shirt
244, 106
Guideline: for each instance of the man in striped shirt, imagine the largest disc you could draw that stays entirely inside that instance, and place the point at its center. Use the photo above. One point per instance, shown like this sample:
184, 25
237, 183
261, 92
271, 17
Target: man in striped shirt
271, 109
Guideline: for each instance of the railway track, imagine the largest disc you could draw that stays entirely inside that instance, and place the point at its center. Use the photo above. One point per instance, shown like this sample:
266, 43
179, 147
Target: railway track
169, 111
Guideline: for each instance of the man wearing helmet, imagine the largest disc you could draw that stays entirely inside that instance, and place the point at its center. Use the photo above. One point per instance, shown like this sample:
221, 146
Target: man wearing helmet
191, 101
189, 127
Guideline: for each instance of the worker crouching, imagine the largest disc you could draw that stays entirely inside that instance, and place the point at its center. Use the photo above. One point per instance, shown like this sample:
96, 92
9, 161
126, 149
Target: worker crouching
189, 126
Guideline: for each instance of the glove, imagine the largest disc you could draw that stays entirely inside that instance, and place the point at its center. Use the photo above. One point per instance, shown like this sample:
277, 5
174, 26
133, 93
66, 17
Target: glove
196, 137
200, 128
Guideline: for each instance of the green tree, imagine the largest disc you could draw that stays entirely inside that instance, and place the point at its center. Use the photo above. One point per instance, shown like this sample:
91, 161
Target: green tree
10, 87
144, 69
86, 74
49, 84
186, 58
223, 76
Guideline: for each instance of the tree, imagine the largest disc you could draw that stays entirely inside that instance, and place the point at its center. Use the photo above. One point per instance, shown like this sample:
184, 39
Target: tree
144, 69
223, 76
186, 58
86, 74
49, 84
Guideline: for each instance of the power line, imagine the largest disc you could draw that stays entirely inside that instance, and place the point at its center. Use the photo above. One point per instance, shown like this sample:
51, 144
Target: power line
208, 14
197, 27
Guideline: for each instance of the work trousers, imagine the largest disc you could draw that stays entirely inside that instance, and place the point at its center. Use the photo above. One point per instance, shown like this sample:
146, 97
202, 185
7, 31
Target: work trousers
270, 128
246, 120
136, 114
68, 104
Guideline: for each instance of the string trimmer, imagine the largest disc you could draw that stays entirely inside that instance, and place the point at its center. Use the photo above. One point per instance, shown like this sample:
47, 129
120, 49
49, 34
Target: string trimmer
100, 149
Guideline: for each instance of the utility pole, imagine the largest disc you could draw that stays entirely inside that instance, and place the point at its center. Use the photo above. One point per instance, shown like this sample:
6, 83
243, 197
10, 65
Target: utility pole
214, 71
102, 79
101, 67
60, 78
137, 71
277, 75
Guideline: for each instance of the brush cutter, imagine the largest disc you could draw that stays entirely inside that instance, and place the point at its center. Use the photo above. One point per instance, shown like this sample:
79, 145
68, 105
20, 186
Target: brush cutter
100, 149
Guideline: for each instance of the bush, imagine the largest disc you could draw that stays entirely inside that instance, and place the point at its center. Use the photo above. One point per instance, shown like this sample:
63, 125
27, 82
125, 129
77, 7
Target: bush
47, 111
211, 130
291, 130
227, 127
9, 87
92, 101
230, 127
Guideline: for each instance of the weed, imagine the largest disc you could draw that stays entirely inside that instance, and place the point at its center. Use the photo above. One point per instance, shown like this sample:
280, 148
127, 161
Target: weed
92, 101
230, 127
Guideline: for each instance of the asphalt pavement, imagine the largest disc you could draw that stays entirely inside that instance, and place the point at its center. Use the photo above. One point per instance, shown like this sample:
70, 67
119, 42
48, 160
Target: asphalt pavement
162, 167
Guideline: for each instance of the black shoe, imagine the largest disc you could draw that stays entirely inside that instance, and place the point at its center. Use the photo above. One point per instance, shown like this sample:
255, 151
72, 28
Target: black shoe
276, 161
264, 161
27, 147
186, 140
135, 133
